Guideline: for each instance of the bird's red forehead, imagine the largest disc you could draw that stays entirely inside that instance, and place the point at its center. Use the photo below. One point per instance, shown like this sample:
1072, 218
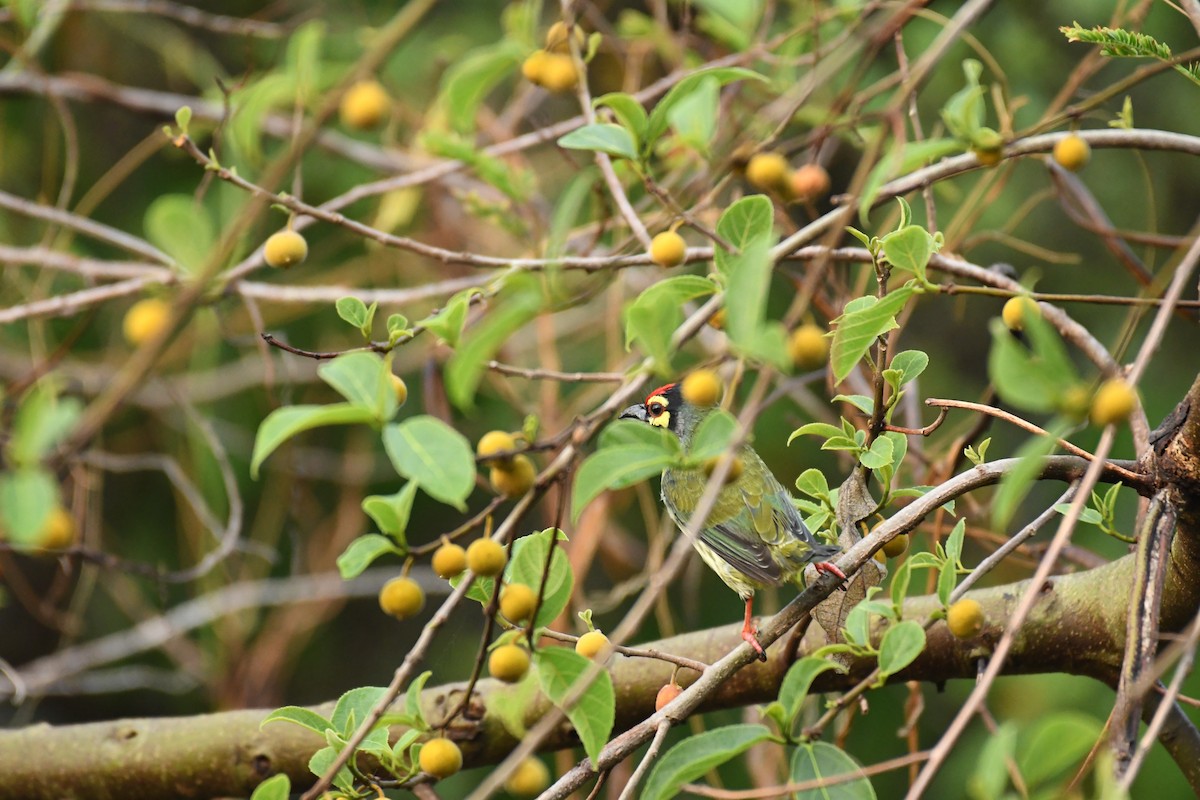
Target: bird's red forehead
666, 387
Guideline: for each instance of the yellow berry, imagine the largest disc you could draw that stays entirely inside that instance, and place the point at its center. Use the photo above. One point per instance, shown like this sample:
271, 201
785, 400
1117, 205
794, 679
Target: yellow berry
494, 442
517, 601
717, 320
880, 557
810, 182
988, 157
593, 644
988, 147
666, 694
529, 779
559, 73
449, 561
736, 467
401, 598
285, 249
440, 757
557, 40
509, 663
965, 618
1018, 309
364, 105
896, 546
668, 249
701, 388
145, 319
58, 531
767, 171
1114, 402
1072, 152
486, 557
534, 66
808, 346
401, 389
515, 479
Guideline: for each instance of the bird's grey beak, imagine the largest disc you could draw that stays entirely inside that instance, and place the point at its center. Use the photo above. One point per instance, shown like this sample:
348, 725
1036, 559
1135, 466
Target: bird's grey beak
637, 412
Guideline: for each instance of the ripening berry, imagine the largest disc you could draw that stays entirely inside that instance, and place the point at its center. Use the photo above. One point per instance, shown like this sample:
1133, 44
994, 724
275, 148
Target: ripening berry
508, 663
593, 644
401, 389
717, 320
515, 479
494, 442
988, 147
1018, 309
449, 561
808, 346
1072, 152
965, 618
533, 66
768, 171
559, 73
145, 319
896, 546
666, 694
486, 557
1113, 403
810, 182
557, 40
401, 598
440, 757
517, 601
285, 249
529, 779
736, 467
58, 531
668, 249
364, 105
1075, 402
701, 388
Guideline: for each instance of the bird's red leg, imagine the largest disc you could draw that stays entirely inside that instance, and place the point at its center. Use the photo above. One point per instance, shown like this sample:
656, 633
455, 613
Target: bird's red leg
749, 633
832, 569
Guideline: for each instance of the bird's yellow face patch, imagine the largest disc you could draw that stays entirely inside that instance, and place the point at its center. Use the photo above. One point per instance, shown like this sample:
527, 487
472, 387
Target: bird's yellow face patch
656, 411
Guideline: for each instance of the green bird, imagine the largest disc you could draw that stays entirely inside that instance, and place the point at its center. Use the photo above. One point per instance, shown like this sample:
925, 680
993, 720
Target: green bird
753, 537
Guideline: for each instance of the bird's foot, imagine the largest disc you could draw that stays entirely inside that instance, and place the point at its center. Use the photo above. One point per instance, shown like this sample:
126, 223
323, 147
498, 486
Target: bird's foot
751, 636
832, 569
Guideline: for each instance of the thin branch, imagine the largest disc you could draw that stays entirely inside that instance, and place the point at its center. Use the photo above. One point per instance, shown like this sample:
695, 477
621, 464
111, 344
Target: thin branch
660, 736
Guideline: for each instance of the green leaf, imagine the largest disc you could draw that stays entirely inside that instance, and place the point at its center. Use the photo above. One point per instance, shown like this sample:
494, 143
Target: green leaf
748, 220
695, 116
964, 111
746, 293
907, 365
559, 670
624, 432
821, 760
796, 685
284, 423
1023, 378
181, 227
397, 326
815, 429
27, 496
42, 421
352, 310
909, 249
990, 778
320, 763
900, 646
365, 380
653, 317
353, 708
656, 125
615, 469
812, 482
904, 158
303, 717
276, 787
412, 696
954, 543
696, 755
519, 302
362, 552
1058, 742
436, 457
603, 137
856, 330
879, 455
471, 77
947, 580
713, 434
1017, 482
527, 565
183, 118
628, 111
391, 511
860, 401
447, 324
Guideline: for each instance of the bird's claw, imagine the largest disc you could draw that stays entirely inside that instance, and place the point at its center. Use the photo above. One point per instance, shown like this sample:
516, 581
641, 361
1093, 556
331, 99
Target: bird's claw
750, 635
832, 569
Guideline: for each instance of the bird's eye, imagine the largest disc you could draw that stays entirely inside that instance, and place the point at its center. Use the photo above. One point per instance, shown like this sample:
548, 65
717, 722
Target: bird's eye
655, 409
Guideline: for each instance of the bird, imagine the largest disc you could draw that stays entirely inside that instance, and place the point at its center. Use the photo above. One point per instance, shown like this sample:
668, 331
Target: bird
753, 537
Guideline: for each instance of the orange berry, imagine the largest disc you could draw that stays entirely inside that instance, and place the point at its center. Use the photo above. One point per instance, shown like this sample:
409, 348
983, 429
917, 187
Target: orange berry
145, 319
1072, 152
810, 182
666, 694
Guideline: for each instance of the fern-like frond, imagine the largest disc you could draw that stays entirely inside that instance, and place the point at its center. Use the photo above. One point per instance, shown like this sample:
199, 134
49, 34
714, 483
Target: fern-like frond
1120, 43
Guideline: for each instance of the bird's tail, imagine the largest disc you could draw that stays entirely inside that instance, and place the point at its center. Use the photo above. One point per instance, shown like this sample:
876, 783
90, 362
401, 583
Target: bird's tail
822, 552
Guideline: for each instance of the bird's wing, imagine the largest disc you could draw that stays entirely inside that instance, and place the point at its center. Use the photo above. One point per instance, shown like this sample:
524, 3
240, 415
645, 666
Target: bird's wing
748, 529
